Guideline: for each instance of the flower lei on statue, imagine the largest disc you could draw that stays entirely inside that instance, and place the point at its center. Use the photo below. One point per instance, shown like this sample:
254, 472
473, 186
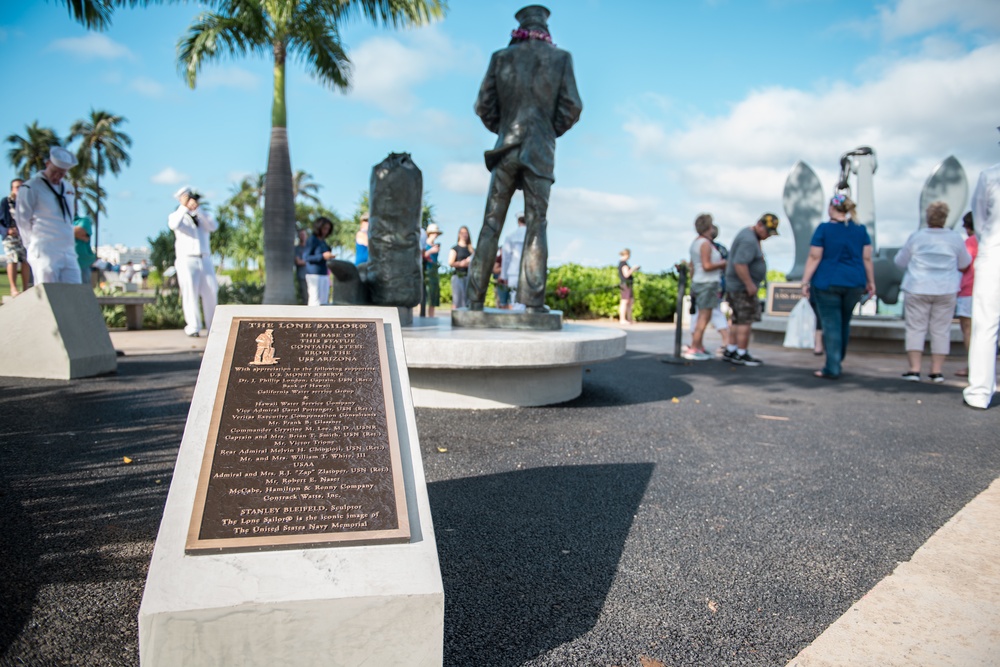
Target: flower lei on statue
522, 35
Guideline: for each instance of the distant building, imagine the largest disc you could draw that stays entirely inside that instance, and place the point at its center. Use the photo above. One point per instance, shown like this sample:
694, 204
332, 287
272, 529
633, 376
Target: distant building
120, 254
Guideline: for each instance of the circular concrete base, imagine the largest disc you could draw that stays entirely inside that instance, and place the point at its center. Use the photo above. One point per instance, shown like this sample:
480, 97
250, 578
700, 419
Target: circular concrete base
502, 368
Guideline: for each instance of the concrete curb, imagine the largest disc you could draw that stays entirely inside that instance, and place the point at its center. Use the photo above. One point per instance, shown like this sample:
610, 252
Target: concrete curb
940, 609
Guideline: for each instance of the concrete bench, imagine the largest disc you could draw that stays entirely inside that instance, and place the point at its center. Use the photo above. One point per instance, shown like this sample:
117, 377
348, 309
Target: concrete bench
133, 307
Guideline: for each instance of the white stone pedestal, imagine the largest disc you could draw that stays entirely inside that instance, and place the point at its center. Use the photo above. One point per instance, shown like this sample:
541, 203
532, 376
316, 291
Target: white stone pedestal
350, 605
56, 331
458, 367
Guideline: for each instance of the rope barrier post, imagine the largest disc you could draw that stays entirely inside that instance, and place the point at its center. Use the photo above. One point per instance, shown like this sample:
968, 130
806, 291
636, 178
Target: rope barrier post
678, 317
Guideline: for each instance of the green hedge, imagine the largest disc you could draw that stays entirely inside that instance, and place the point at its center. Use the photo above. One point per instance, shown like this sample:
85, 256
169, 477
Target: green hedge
580, 292
583, 292
166, 312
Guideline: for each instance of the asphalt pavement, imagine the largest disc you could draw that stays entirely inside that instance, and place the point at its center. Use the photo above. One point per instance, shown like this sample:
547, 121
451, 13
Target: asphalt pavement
674, 514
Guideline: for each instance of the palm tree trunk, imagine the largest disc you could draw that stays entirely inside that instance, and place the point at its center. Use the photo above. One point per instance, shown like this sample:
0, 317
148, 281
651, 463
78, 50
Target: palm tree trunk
279, 209
97, 209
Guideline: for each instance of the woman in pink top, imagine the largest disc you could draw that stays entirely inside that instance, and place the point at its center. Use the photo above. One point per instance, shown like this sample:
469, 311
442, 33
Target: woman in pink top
963, 305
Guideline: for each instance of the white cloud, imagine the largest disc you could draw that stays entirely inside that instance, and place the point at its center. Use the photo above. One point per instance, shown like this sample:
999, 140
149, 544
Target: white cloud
915, 114
229, 77
593, 208
921, 105
913, 17
147, 87
169, 176
91, 46
426, 125
385, 69
467, 178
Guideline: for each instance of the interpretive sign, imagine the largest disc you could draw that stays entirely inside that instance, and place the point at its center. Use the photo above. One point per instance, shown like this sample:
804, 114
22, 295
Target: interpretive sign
302, 446
782, 297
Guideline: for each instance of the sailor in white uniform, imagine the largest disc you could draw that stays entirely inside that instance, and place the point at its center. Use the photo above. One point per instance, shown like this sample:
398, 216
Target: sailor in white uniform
985, 291
45, 220
195, 274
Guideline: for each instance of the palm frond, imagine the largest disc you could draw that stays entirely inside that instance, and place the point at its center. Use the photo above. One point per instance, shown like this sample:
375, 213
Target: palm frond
92, 14
395, 13
214, 35
30, 152
314, 41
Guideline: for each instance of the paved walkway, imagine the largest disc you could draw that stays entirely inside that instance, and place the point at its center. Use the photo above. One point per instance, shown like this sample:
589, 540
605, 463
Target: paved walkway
941, 608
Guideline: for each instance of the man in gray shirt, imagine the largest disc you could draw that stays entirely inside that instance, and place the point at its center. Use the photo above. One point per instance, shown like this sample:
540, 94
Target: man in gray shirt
745, 272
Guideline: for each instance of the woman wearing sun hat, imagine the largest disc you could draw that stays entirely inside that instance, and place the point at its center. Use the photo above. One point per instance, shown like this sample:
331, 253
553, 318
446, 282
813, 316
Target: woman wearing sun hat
433, 285
838, 272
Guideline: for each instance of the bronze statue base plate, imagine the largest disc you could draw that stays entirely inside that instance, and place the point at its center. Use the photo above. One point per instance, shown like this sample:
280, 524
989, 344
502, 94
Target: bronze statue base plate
495, 318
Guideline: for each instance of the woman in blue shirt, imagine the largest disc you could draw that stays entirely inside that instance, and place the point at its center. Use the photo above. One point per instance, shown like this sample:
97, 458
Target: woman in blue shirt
839, 270
316, 254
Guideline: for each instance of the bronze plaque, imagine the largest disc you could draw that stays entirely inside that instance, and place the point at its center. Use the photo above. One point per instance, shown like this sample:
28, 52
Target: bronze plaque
302, 448
782, 297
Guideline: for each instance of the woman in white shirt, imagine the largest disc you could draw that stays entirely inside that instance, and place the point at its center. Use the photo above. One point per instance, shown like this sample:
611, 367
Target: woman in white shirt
933, 258
707, 266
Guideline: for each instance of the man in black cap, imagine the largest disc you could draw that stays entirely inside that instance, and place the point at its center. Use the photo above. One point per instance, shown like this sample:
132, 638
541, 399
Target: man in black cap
746, 269
528, 98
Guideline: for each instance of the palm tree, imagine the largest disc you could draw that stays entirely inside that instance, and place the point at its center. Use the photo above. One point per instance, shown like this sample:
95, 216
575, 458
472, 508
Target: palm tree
308, 30
249, 192
303, 186
29, 153
102, 146
90, 196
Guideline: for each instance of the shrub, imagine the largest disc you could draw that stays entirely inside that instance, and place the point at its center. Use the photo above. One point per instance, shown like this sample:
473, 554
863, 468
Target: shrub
446, 295
165, 312
155, 279
243, 275
655, 297
114, 316
242, 293
444, 284
584, 292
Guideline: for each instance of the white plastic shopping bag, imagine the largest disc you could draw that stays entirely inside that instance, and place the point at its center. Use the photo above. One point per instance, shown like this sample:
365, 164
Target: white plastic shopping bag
801, 331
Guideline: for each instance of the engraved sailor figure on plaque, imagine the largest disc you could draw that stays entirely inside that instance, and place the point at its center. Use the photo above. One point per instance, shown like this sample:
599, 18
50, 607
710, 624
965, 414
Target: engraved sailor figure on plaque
265, 350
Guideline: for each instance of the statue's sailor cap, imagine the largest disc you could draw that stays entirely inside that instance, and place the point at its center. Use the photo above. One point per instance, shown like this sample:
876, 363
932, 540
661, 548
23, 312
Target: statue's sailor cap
533, 17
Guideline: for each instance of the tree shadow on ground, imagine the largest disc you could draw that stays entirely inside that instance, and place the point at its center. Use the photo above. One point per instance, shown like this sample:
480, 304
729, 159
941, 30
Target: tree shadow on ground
528, 557
73, 513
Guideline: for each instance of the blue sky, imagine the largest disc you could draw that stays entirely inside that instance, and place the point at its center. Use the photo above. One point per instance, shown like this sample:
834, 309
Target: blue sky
688, 107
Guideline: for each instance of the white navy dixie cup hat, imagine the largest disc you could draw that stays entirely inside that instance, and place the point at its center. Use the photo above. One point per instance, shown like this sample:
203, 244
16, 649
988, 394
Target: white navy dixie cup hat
183, 192
62, 158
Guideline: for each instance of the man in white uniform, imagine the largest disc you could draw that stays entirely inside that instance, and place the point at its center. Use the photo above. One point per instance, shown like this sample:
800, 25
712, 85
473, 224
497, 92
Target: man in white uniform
45, 220
195, 274
985, 291
510, 258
